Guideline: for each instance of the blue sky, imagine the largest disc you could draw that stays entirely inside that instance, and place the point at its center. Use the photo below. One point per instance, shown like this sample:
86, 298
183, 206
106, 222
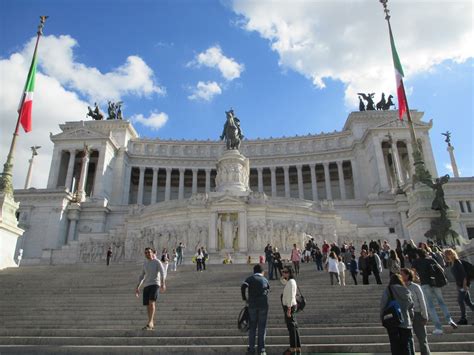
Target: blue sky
286, 68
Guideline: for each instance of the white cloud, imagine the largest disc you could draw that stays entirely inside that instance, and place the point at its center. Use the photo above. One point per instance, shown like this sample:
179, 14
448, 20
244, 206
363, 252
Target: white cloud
348, 40
214, 58
205, 91
58, 81
155, 121
56, 56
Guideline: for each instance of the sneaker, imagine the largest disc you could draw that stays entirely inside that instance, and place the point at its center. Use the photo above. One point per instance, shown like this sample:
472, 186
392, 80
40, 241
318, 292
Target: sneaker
452, 324
462, 321
437, 332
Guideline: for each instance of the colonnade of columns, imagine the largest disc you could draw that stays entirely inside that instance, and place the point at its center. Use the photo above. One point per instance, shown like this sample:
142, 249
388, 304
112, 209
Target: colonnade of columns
326, 180
397, 161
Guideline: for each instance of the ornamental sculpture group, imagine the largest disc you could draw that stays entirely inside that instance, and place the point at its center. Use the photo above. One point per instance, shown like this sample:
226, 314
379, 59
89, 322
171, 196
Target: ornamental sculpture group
383, 104
114, 111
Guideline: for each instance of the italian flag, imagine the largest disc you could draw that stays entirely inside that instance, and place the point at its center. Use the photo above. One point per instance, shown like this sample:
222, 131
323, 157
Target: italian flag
26, 103
402, 99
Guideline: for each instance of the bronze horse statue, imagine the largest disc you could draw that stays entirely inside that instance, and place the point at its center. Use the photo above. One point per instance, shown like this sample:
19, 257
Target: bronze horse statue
231, 132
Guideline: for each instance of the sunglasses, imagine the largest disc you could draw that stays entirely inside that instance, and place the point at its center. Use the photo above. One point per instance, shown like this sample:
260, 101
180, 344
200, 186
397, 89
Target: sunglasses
285, 272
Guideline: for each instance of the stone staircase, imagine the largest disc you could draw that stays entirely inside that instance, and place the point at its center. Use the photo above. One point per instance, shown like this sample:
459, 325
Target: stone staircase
82, 309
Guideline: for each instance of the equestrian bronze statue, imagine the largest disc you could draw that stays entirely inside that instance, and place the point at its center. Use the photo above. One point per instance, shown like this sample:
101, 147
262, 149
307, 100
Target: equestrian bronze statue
232, 133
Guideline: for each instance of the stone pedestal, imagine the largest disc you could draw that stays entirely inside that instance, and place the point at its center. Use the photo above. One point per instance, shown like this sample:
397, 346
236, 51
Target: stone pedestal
9, 231
420, 213
232, 172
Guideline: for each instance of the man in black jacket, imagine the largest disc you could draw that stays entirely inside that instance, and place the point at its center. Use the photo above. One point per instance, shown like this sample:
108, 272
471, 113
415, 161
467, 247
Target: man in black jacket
257, 300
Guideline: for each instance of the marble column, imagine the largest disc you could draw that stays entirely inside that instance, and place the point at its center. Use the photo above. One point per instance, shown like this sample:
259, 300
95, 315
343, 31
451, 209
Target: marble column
212, 242
154, 186
327, 180
299, 170
273, 178
314, 182
396, 163
287, 180
168, 184
208, 180
126, 190
54, 169
70, 169
81, 193
342, 185
381, 170
243, 232
181, 184
454, 165
98, 187
195, 179
141, 183
355, 179
260, 179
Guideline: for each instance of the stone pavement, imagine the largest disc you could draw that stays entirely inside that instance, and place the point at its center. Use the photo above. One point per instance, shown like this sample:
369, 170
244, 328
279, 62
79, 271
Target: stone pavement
92, 309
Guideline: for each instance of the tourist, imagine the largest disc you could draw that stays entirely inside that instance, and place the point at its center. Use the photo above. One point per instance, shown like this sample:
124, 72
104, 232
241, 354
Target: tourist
288, 300
199, 256
318, 259
174, 258
153, 280
296, 259
463, 283
365, 247
393, 263
353, 268
325, 249
180, 252
342, 271
258, 288
401, 337
364, 266
420, 311
165, 259
411, 251
332, 268
335, 249
399, 252
422, 265
249, 260
375, 265
269, 259
277, 264
307, 250
205, 258
109, 255
385, 254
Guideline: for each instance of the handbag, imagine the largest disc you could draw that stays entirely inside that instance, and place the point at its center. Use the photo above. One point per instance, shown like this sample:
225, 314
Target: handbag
243, 321
392, 314
300, 301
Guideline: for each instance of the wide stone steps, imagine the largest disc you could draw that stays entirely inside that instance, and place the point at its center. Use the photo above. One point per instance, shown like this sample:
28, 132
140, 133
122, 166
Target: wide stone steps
92, 309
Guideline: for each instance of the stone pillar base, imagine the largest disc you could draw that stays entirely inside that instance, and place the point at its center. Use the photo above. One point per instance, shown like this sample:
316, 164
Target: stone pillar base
9, 231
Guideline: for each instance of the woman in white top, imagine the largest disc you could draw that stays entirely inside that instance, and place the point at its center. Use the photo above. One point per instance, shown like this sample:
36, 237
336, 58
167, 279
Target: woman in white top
342, 271
288, 300
333, 268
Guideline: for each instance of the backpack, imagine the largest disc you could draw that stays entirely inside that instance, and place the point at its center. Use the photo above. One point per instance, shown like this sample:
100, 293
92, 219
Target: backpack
437, 275
469, 268
243, 321
392, 314
300, 301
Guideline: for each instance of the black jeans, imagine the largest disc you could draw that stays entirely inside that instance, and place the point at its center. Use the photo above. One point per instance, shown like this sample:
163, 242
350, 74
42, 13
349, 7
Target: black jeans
463, 299
292, 326
401, 341
365, 277
199, 264
354, 277
377, 277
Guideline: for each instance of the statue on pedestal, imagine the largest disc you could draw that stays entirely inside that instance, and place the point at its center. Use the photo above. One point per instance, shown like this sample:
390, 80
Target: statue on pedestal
232, 132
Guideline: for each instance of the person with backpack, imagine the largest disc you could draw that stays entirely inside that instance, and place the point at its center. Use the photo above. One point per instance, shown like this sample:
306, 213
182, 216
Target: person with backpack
258, 288
400, 336
463, 282
353, 268
288, 301
429, 271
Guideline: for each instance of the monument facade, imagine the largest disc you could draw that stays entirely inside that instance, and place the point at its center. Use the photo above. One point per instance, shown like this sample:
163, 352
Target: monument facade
108, 187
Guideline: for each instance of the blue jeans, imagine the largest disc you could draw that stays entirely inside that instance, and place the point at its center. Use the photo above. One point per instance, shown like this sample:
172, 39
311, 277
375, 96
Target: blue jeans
270, 269
258, 318
464, 298
432, 293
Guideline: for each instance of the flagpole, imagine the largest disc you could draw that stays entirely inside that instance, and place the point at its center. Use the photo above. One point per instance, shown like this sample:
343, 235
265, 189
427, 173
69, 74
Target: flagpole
6, 181
421, 174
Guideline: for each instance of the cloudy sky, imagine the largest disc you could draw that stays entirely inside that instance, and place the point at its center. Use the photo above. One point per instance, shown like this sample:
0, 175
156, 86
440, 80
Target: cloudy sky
286, 67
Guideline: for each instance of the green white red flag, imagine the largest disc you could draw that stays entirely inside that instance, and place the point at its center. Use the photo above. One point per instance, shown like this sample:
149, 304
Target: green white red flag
26, 103
402, 98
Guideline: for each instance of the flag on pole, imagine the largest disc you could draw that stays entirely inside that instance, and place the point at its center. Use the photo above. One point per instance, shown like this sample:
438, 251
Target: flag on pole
402, 98
26, 103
